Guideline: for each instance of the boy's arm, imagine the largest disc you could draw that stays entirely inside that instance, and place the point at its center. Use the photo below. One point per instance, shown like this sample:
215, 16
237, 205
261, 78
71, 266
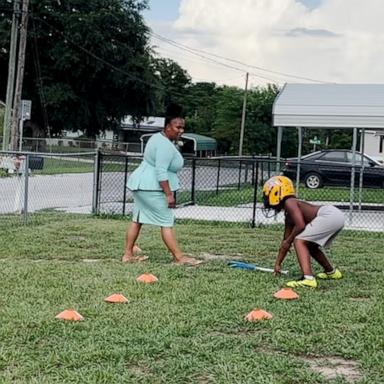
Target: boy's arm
283, 250
294, 224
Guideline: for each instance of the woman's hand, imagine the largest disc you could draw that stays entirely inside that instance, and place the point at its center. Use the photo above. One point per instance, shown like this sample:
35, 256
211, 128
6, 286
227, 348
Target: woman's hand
171, 201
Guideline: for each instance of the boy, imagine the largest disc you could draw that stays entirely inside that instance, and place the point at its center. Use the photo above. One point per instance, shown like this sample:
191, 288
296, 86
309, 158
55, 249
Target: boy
308, 227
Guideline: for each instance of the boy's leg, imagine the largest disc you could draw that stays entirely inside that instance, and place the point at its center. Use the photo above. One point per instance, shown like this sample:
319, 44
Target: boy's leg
329, 271
320, 257
303, 256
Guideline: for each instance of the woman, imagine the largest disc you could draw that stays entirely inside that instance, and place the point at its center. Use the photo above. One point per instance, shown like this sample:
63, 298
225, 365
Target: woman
153, 184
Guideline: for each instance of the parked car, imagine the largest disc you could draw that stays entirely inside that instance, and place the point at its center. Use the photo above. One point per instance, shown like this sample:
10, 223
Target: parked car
333, 167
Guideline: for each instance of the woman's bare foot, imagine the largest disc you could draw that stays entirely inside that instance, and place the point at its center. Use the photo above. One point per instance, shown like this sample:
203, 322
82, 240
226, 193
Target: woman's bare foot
133, 259
188, 261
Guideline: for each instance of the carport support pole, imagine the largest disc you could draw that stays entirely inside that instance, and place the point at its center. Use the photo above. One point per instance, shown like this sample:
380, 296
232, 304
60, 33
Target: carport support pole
300, 142
352, 191
362, 145
278, 149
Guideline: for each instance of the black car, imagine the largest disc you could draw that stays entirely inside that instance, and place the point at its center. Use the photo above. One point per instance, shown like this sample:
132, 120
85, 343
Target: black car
333, 167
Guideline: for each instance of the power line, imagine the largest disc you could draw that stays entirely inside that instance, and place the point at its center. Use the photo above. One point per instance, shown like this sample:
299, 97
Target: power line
90, 53
36, 60
195, 52
135, 78
182, 46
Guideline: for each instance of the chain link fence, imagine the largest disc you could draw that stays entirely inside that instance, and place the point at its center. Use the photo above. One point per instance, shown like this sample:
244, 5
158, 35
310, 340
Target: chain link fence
212, 189
230, 190
32, 183
75, 145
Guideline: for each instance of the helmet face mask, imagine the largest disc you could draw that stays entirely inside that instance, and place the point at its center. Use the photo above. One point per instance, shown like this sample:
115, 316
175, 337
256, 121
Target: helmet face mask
275, 191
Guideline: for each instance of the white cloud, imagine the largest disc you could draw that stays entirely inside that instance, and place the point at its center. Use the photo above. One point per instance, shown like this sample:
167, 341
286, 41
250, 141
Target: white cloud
339, 41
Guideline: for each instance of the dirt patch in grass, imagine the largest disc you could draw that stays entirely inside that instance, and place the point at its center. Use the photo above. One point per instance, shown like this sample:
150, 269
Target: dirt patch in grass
220, 257
332, 367
139, 370
359, 299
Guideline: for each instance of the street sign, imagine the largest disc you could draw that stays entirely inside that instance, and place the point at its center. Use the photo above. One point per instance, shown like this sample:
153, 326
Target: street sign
26, 106
315, 140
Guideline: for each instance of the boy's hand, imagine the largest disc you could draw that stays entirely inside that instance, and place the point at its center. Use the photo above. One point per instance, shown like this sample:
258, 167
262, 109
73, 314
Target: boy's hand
277, 270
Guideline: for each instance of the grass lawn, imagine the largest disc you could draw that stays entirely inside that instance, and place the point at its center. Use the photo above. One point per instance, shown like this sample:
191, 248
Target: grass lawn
54, 166
188, 327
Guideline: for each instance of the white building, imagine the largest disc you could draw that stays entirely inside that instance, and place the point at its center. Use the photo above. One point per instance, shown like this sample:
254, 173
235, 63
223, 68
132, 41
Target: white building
373, 144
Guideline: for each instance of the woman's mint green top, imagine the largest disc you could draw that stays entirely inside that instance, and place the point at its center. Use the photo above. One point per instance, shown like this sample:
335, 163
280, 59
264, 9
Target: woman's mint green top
161, 162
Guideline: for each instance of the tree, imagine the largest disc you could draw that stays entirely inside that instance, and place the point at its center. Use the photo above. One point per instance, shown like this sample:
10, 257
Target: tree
260, 135
88, 63
173, 81
200, 107
226, 127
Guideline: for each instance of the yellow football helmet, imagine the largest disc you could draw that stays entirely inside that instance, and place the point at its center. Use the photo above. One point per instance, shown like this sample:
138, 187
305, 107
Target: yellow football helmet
275, 190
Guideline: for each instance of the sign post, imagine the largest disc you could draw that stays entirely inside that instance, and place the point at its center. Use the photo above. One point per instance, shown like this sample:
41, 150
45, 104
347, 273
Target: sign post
26, 106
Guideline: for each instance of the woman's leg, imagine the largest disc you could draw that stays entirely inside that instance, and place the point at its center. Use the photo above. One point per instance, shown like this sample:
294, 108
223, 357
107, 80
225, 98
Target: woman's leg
169, 237
132, 234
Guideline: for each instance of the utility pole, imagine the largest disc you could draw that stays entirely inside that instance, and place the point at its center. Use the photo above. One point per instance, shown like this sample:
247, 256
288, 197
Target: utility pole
11, 76
243, 116
20, 76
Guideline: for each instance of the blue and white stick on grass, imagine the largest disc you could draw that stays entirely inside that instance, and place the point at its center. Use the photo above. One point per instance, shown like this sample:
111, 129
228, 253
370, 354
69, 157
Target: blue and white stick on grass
251, 267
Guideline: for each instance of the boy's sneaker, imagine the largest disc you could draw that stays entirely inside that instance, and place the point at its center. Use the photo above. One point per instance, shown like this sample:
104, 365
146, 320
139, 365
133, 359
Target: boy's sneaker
311, 283
335, 275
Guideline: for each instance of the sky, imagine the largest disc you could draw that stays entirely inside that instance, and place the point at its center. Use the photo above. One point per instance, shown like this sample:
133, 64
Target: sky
275, 41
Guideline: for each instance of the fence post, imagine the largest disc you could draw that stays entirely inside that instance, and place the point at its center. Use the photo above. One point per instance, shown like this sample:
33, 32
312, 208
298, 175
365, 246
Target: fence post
193, 179
26, 181
262, 172
218, 177
125, 184
96, 182
238, 186
269, 166
255, 187
253, 171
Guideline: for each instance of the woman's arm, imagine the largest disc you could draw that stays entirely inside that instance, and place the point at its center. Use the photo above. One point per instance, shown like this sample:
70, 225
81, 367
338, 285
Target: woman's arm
168, 193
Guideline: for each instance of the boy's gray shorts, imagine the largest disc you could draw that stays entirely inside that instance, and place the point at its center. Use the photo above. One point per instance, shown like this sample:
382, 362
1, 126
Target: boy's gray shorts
324, 227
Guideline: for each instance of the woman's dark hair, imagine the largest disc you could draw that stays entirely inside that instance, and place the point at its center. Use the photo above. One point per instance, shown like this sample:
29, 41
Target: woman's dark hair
173, 111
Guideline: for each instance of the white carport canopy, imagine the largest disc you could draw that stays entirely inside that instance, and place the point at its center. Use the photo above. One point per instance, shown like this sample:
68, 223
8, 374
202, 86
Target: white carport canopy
330, 106
353, 106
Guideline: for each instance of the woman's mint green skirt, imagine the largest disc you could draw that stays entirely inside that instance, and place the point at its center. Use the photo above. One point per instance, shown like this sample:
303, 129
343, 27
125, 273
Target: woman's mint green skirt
151, 207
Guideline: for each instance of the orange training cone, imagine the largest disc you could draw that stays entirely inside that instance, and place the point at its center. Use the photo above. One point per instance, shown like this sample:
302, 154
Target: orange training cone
69, 314
136, 249
116, 298
257, 315
147, 278
286, 294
